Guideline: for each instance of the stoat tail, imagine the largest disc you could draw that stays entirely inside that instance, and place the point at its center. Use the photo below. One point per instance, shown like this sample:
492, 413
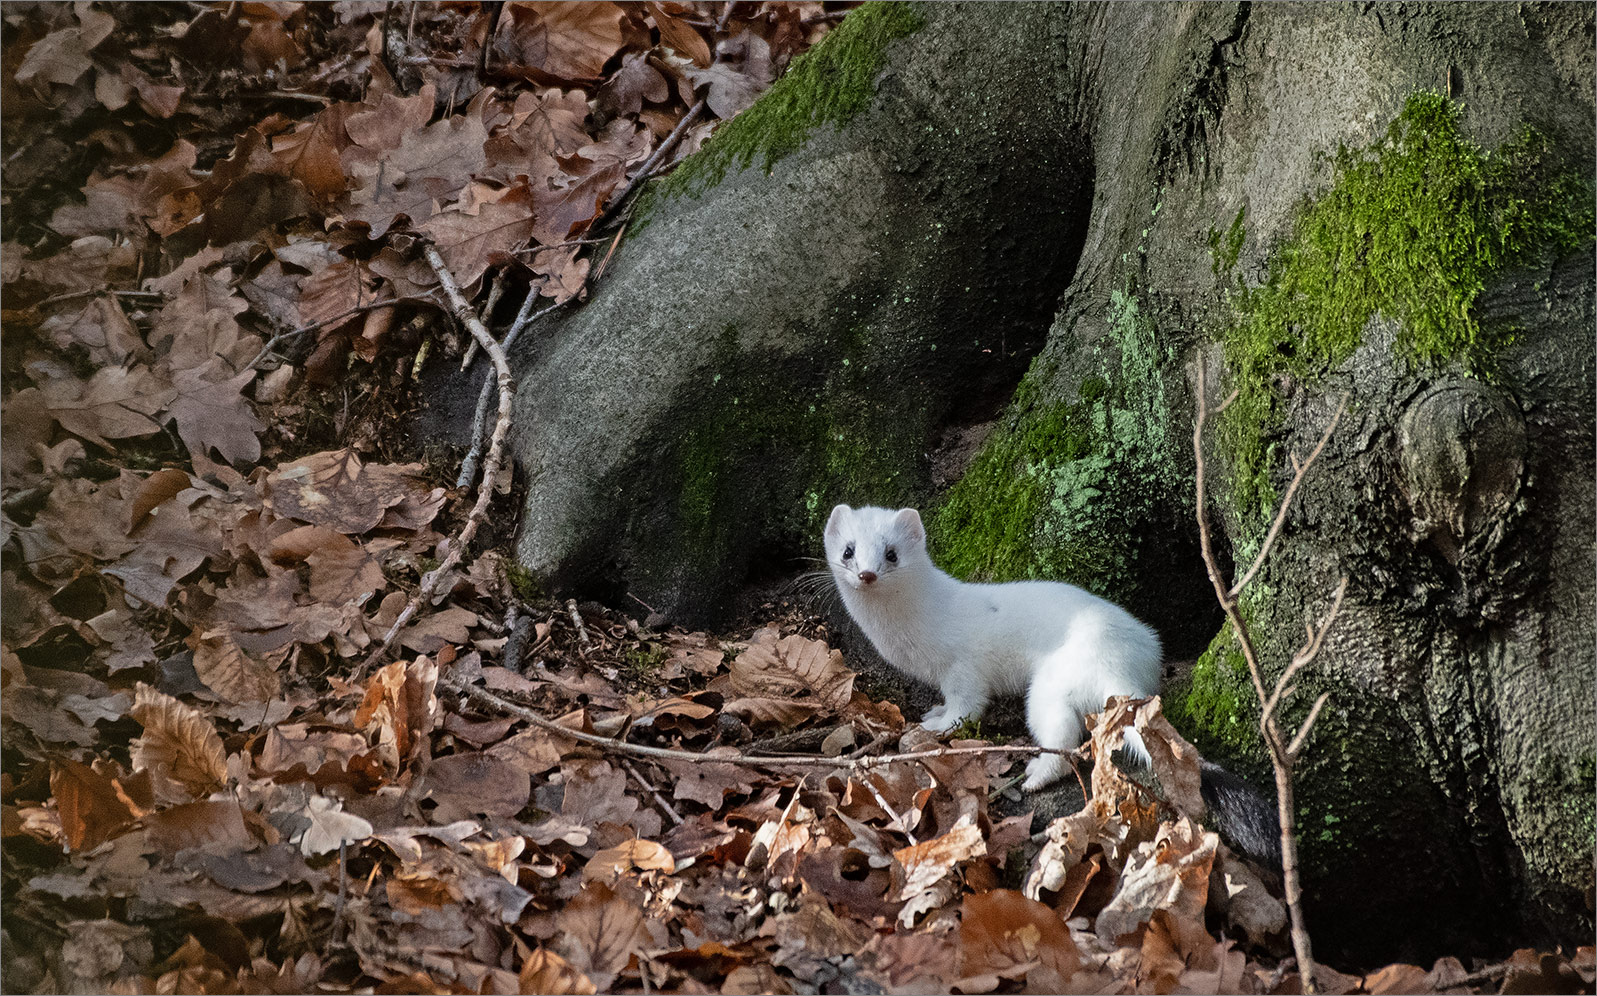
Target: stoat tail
1242, 815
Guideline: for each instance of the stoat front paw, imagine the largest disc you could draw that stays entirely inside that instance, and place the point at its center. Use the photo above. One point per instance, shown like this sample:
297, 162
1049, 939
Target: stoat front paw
943, 721
1042, 771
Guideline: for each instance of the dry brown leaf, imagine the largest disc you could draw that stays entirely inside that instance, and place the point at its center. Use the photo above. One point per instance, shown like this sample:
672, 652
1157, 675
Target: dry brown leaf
92, 808
680, 35
429, 167
180, 748
211, 411
401, 709
116, 403
1004, 935
336, 489
310, 153
547, 973
1175, 761
470, 242
793, 668
101, 327
155, 489
559, 42
602, 930
229, 672
469, 785
63, 56
612, 863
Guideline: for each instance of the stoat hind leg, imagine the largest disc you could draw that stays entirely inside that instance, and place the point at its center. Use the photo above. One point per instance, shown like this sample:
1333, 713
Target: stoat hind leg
1054, 723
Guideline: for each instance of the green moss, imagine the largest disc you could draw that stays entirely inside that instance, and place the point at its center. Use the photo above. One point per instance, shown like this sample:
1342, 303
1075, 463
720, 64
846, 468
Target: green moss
1216, 707
641, 664
522, 581
829, 84
1066, 491
1410, 229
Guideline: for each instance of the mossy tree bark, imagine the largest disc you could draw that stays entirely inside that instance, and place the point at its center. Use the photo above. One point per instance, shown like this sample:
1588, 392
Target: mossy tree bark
1017, 225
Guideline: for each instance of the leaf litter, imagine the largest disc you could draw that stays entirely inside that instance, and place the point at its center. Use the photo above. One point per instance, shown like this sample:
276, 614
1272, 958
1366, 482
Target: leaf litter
214, 308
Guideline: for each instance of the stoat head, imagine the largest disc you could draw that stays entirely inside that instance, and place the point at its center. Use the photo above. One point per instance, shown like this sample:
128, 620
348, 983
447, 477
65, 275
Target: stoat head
874, 549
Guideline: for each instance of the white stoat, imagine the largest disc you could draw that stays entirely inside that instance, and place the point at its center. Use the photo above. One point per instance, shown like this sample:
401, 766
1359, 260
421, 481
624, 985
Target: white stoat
1067, 649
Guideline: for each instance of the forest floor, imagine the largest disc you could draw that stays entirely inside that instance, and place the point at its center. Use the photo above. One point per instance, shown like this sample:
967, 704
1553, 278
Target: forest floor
219, 774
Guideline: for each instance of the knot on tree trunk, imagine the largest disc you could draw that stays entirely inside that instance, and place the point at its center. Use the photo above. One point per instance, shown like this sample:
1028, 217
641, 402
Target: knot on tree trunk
1461, 448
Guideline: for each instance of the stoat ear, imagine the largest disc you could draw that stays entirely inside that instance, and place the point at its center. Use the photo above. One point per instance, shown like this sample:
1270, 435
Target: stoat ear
834, 525
909, 525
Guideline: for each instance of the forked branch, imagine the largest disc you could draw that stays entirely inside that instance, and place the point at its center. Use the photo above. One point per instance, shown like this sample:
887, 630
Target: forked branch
1283, 753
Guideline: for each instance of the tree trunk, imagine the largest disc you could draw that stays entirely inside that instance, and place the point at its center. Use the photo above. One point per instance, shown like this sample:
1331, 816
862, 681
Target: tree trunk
838, 299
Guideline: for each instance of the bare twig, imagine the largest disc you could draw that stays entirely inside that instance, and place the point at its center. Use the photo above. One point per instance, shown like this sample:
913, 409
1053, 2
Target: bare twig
648, 166
1283, 754
576, 620
486, 698
490, 471
658, 798
1286, 500
525, 317
282, 337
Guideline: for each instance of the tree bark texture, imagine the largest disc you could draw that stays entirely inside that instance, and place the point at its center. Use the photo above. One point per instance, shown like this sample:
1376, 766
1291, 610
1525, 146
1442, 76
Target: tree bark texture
981, 292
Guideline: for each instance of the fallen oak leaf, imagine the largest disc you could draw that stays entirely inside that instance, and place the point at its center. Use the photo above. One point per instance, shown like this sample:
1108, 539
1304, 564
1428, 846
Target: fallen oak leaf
116, 403
612, 863
214, 413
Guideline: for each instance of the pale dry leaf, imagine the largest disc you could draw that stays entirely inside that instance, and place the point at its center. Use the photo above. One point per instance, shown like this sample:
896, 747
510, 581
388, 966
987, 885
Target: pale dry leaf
1175, 761
63, 56
612, 863
180, 748
794, 668
330, 827
930, 861
547, 973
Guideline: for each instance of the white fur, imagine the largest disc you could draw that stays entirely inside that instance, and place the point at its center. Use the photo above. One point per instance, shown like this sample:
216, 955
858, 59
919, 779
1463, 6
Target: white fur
1066, 649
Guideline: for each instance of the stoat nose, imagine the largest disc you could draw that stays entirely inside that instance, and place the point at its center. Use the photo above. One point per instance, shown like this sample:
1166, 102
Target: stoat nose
867, 576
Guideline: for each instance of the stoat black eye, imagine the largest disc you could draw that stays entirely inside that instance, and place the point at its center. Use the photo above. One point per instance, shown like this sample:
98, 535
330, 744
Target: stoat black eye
848, 552
892, 555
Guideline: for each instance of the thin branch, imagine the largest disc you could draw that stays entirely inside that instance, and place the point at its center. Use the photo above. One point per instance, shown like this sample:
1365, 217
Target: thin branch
576, 620
1227, 601
525, 317
1286, 500
649, 164
490, 471
276, 340
484, 697
1308, 724
1309, 650
658, 798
